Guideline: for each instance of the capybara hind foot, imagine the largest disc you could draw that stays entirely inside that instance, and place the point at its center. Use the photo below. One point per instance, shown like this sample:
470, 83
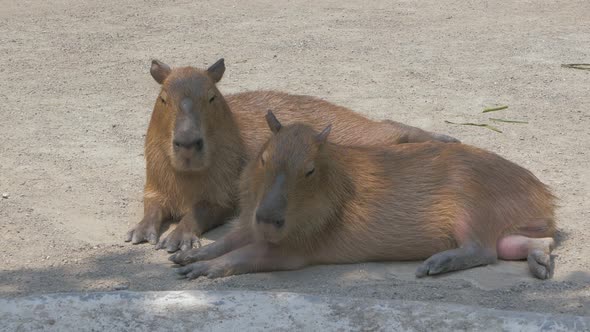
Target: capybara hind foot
537, 252
456, 259
416, 135
540, 264
445, 138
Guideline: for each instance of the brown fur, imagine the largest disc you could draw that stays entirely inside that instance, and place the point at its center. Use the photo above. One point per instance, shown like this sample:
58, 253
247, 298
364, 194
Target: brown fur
178, 191
402, 202
396, 202
352, 128
233, 129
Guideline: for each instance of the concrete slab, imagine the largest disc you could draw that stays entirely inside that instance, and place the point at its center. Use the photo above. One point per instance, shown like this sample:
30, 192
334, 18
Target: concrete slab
256, 311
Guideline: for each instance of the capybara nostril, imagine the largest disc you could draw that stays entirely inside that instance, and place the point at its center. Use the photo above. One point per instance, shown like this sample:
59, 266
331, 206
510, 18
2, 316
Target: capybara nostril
199, 144
264, 219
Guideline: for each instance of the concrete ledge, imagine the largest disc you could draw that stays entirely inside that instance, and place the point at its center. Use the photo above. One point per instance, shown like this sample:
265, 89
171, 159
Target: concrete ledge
256, 311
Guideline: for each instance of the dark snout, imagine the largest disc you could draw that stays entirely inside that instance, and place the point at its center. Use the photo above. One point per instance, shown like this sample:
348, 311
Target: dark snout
188, 138
271, 210
188, 144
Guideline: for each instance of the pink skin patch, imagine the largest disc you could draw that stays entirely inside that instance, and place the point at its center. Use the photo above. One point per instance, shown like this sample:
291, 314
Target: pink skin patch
513, 247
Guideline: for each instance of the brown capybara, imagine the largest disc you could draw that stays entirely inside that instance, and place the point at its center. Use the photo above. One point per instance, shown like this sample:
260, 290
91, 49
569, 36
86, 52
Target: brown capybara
307, 201
198, 141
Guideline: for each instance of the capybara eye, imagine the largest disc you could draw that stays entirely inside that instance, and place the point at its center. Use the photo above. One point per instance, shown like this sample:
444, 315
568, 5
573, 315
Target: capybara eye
163, 100
309, 173
176, 144
212, 99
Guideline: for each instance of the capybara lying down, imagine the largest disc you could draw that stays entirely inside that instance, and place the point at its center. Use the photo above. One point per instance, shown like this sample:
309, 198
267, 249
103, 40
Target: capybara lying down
198, 141
305, 200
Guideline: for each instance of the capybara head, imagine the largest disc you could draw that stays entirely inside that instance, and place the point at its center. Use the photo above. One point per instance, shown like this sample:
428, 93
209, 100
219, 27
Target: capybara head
286, 177
188, 100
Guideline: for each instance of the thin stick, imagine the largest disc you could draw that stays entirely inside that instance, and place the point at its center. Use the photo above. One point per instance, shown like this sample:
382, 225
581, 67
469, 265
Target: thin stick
493, 109
508, 121
582, 66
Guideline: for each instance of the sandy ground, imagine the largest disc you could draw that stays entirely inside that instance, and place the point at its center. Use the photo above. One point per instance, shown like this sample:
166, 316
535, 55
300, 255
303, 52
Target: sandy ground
76, 96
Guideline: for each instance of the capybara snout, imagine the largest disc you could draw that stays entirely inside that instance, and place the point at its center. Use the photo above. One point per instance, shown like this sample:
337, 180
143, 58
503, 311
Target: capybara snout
273, 205
269, 217
188, 144
285, 179
188, 100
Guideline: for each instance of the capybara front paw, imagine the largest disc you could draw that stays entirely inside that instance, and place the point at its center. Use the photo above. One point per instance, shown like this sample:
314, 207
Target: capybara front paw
198, 269
540, 264
434, 265
142, 232
179, 239
186, 256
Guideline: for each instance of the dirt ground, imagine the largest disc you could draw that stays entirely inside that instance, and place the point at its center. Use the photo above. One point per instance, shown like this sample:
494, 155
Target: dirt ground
76, 97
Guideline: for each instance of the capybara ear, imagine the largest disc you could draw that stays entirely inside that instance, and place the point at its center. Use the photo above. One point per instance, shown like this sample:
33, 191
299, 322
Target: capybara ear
323, 136
273, 122
216, 70
159, 71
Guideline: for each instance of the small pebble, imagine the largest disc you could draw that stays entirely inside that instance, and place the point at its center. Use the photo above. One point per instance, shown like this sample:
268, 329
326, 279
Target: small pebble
5, 195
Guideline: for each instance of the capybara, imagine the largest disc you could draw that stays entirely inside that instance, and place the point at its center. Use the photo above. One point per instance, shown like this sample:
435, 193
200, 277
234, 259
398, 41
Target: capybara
198, 141
305, 200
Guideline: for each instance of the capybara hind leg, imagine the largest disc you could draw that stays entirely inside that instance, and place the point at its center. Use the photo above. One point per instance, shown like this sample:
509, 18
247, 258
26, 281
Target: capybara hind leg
516, 247
148, 229
456, 259
535, 250
254, 257
235, 239
409, 134
201, 218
